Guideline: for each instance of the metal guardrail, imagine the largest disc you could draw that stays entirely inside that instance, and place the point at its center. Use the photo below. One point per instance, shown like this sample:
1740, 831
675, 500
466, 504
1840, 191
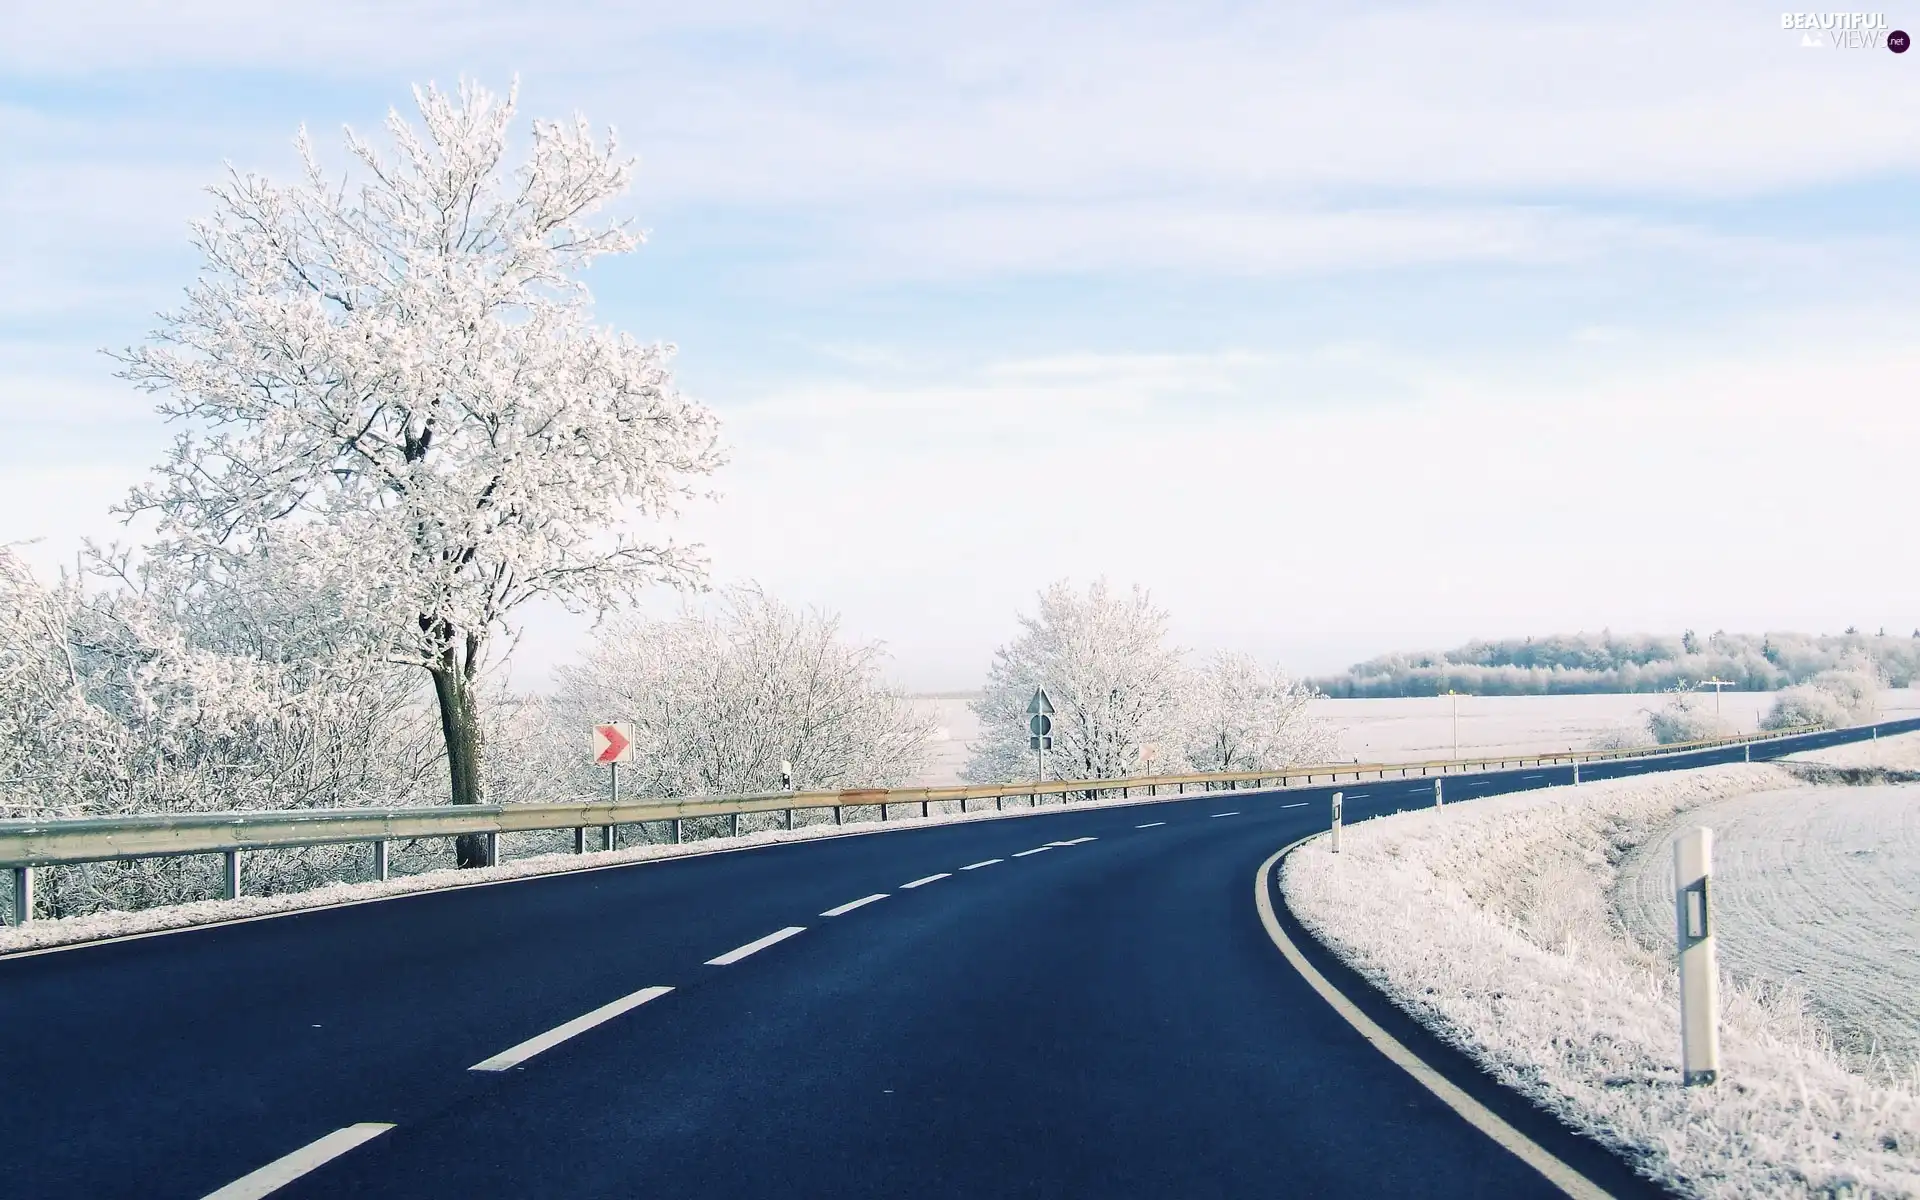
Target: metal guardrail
30, 843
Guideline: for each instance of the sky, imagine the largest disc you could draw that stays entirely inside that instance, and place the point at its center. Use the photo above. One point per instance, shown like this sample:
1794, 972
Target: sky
1339, 333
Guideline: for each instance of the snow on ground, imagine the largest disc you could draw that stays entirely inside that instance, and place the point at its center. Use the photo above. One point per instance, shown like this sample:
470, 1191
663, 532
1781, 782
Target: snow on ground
1899, 753
1492, 922
1814, 889
1414, 728
46, 933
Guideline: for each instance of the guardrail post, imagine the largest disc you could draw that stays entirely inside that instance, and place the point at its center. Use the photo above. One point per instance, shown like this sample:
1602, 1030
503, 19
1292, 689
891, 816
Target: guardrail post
996, 803
22, 895
676, 826
381, 869
733, 824
493, 848
579, 839
923, 808
787, 820
231, 882
883, 810
1336, 822
607, 838
1699, 976
836, 814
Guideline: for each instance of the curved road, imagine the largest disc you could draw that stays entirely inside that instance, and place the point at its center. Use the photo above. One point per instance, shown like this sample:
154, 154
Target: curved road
1082, 1002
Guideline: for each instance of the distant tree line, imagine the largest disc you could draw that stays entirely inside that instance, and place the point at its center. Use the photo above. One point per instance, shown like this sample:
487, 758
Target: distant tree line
1605, 662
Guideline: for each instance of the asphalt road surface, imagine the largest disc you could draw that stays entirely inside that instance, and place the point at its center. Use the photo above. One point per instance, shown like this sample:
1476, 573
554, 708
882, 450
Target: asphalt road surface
1082, 1002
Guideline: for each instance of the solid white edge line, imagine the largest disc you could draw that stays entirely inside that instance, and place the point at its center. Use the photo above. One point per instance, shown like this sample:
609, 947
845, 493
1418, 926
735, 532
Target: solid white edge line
1151, 824
1234, 813
1476, 1114
928, 879
513, 1056
754, 947
850, 905
1035, 850
984, 863
282, 1171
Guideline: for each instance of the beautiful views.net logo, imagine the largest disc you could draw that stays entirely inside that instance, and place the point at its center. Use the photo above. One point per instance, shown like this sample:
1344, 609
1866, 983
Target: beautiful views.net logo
1846, 31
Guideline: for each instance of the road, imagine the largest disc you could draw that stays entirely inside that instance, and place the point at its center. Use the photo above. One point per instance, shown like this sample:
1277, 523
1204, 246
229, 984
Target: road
1081, 1002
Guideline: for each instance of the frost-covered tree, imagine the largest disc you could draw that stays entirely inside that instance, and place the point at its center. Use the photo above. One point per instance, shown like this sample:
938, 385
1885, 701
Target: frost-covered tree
1240, 714
408, 365
1104, 660
150, 696
719, 698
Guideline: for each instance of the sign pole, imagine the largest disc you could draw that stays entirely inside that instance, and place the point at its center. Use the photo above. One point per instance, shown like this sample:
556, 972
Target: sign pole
612, 744
613, 783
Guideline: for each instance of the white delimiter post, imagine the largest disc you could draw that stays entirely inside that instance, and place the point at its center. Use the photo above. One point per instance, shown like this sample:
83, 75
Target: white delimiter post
1438, 800
1699, 975
1336, 822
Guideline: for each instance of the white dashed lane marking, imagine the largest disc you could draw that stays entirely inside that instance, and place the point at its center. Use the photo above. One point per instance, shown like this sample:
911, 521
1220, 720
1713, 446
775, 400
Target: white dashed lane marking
850, 905
755, 946
283, 1171
1234, 813
1302, 804
1035, 850
1150, 825
984, 863
924, 880
513, 1056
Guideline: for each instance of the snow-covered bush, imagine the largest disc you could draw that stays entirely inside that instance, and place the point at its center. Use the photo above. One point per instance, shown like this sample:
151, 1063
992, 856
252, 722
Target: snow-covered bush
1239, 714
719, 698
1848, 695
1684, 719
242, 688
1804, 704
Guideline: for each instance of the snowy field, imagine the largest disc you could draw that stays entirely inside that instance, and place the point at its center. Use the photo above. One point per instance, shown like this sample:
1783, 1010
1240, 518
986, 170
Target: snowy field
1415, 728
1816, 889
1493, 922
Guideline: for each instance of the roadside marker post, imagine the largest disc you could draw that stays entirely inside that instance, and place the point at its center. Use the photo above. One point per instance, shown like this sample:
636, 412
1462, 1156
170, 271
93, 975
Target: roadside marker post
1699, 974
1336, 822
1438, 799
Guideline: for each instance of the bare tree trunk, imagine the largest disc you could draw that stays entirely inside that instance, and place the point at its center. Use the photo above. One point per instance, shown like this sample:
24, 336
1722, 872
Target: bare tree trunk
460, 727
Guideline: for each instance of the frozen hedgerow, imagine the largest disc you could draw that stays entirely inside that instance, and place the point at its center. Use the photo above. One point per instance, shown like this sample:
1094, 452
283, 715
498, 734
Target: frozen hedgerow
408, 368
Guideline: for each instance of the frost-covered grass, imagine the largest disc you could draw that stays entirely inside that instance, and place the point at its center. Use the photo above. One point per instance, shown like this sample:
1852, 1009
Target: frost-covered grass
1492, 923
1814, 892
1899, 753
95, 926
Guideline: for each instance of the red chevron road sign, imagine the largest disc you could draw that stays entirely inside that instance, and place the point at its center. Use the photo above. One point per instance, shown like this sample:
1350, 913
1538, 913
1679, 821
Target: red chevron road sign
613, 743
